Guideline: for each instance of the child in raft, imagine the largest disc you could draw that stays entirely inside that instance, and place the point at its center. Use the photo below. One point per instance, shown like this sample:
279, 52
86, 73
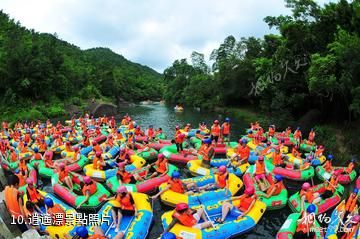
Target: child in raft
275, 187
125, 177
64, 176
247, 201
207, 152
260, 172
306, 224
222, 181
308, 195
241, 155
34, 195
160, 167
188, 217
82, 233
278, 158
88, 189
175, 184
127, 206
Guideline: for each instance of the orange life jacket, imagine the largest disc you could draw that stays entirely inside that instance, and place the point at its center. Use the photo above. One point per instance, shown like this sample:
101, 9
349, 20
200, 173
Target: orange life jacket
332, 184
277, 159
246, 202
96, 162
55, 210
22, 180
48, 161
97, 236
311, 136
205, 153
150, 132
161, 166
328, 166
97, 148
309, 195
126, 177
225, 128
260, 168
176, 186
244, 152
130, 139
306, 224
295, 153
271, 131
350, 168
215, 130
11, 200
75, 155
37, 156
63, 174
351, 203
125, 202
90, 187
278, 187
34, 195
178, 139
13, 156
22, 165
185, 219
297, 134
319, 152
221, 180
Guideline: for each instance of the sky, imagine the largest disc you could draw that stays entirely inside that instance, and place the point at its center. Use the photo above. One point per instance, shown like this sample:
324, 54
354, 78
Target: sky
149, 32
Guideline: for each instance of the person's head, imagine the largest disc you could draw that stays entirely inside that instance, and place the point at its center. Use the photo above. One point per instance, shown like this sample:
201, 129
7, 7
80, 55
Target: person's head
118, 131
330, 157
30, 182
311, 208
138, 127
94, 143
67, 143
355, 192
121, 190
298, 128
98, 154
11, 149
36, 150
355, 219
30, 206
335, 174
207, 141
62, 166
175, 175
77, 149
177, 127
150, 126
306, 186
131, 133
168, 235
13, 180
261, 159
82, 232
216, 122
227, 119
87, 180
250, 132
278, 178
222, 169
48, 202
181, 207
249, 191
161, 156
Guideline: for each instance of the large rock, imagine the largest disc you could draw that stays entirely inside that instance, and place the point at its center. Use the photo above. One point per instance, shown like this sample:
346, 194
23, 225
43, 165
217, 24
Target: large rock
100, 109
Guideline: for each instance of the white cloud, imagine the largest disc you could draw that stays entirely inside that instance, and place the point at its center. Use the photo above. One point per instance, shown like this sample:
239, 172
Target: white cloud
150, 32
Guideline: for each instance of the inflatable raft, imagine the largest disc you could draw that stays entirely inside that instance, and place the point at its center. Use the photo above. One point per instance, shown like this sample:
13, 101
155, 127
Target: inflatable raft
272, 203
133, 227
57, 231
74, 199
343, 178
288, 229
136, 163
172, 198
324, 205
229, 229
196, 169
297, 175
143, 186
172, 155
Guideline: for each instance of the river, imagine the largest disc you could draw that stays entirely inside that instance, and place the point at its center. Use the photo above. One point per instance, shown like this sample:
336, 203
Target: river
167, 119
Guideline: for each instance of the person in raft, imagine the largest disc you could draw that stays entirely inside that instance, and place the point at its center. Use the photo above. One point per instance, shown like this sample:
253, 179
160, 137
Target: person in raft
160, 167
331, 185
130, 142
31, 214
222, 180
125, 177
247, 201
88, 189
275, 187
175, 184
351, 202
277, 158
179, 139
82, 233
127, 206
54, 210
308, 195
350, 229
297, 136
306, 223
225, 130
64, 176
34, 195
311, 136
98, 162
241, 155
150, 133
207, 152
260, 172
215, 131
188, 217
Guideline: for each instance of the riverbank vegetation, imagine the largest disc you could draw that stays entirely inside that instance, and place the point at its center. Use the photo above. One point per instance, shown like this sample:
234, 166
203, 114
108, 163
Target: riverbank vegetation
312, 63
41, 74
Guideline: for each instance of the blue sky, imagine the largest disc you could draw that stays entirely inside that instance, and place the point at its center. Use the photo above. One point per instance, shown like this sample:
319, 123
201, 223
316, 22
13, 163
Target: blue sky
150, 32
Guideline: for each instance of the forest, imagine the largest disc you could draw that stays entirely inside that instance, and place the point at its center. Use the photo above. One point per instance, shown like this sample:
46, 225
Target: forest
314, 62
40, 74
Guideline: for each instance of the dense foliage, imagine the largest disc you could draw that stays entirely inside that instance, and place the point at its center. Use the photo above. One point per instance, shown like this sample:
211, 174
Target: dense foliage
314, 62
36, 68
